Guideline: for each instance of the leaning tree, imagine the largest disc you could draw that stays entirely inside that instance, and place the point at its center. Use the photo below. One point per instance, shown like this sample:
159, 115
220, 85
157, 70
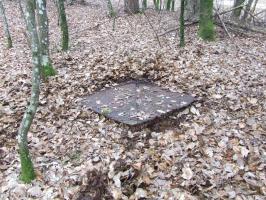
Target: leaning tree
27, 170
38, 35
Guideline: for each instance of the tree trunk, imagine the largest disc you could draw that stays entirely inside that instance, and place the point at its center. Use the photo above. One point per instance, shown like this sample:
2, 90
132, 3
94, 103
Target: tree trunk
182, 24
144, 5
27, 170
237, 12
111, 10
206, 25
5, 25
192, 10
168, 4
252, 10
47, 68
131, 6
247, 10
63, 25
173, 6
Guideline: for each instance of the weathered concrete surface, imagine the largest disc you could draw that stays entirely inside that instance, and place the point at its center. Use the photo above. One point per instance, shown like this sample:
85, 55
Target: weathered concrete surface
135, 103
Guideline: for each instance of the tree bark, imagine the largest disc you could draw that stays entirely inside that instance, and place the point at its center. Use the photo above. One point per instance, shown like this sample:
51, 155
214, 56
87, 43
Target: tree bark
144, 5
247, 10
173, 6
206, 25
168, 4
131, 6
237, 12
27, 170
192, 10
47, 68
63, 25
182, 24
5, 25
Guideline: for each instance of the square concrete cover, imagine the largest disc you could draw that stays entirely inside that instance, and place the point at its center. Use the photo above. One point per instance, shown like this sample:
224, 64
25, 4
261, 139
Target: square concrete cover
136, 102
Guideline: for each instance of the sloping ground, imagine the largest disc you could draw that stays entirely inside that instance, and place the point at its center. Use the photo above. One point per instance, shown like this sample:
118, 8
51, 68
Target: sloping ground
214, 150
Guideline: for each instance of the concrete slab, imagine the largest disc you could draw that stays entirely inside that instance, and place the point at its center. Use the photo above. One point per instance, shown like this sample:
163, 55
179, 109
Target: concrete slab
136, 102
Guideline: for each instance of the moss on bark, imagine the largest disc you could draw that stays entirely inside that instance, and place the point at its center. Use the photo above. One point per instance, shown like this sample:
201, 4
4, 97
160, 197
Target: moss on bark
63, 25
48, 70
27, 170
206, 25
182, 24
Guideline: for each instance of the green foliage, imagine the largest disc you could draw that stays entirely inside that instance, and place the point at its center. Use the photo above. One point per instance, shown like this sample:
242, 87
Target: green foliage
27, 170
48, 70
206, 29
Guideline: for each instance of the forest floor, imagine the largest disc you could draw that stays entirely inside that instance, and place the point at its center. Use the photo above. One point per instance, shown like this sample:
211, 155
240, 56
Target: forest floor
216, 149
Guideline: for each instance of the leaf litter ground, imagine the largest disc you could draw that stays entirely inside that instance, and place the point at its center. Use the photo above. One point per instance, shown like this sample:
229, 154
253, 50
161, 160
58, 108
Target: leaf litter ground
212, 150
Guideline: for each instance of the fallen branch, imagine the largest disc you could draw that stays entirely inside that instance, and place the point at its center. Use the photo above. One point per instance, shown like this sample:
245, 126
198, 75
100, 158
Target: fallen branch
246, 28
224, 26
176, 29
230, 10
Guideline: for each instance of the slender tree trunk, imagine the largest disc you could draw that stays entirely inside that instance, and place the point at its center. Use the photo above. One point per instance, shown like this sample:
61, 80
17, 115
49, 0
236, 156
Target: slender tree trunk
27, 170
63, 25
252, 10
192, 10
237, 12
247, 10
111, 10
206, 25
168, 4
131, 6
254, 6
47, 67
144, 5
5, 24
22, 11
173, 6
182, 24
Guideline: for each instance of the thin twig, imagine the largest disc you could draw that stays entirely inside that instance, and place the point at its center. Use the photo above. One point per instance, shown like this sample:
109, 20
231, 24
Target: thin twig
156, 35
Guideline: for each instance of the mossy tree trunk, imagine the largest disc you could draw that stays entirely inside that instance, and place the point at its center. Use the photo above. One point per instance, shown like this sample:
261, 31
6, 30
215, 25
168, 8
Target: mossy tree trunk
182, 24
168, 4
5, 25
47, 67
111, 10
206, 25
27, 170
157, 4
63, 25
237, 12
131, 6
173, 6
